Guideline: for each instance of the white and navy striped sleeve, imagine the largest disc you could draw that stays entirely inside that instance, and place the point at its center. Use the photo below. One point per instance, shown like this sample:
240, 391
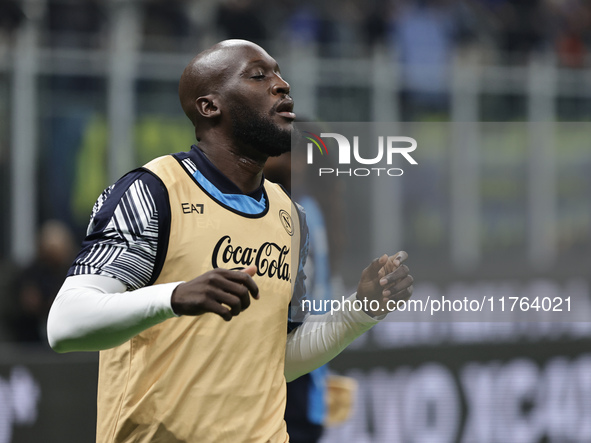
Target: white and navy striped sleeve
127, 236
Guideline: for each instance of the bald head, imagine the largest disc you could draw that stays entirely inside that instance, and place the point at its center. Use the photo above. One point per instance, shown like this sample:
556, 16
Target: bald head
207, 73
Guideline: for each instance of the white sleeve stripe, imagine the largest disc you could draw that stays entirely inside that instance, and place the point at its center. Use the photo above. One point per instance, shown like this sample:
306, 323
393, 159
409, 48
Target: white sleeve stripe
130, 219
101, 255
147, 203
140, 210
189, 165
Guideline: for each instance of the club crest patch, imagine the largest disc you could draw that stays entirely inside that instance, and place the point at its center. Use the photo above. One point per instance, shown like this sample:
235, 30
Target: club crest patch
286, 221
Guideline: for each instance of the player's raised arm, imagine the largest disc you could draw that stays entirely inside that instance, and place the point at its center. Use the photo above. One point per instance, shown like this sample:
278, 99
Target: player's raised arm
320, 338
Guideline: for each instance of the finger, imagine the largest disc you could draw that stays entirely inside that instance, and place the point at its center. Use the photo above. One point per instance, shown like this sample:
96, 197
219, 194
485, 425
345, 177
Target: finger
391, 278
244, 278
375, 266
251, 270
392, 263
405, 294
251, 286
399, 286
235, 289
389, 267
232, 301
394, 277
216, 308
400, 257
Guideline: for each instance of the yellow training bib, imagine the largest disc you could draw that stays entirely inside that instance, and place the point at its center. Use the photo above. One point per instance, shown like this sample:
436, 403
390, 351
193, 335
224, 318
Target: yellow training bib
201, 379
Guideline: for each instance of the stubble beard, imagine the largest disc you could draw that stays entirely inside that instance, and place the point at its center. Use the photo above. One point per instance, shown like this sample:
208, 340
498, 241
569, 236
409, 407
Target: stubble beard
259, 131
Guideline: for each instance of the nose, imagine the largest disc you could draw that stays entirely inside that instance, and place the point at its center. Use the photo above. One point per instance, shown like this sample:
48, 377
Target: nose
280, 86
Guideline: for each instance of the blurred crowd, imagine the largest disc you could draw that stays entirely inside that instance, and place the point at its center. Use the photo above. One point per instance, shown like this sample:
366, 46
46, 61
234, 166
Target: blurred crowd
28, 290
510, 29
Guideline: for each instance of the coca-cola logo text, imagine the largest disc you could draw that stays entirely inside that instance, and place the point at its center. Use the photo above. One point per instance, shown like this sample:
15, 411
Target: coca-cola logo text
269, 258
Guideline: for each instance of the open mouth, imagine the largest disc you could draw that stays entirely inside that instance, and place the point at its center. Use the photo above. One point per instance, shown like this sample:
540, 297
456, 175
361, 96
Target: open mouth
285, 109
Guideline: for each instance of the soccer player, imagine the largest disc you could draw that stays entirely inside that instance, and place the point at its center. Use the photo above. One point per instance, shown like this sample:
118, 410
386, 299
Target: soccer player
185, 279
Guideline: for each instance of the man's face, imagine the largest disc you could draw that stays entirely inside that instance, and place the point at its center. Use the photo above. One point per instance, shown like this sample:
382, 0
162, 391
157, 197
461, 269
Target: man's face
258, 102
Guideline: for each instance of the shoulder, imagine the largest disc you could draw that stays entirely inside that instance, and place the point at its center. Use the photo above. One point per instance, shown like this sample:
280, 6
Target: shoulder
127, 236
138, 186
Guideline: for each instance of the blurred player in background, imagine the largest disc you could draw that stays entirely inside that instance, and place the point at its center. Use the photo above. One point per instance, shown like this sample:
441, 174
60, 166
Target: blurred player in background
38, 283
188, 282
305, 412
310, 400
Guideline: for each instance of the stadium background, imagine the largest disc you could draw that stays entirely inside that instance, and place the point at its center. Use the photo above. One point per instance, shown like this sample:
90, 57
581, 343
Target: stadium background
88, 91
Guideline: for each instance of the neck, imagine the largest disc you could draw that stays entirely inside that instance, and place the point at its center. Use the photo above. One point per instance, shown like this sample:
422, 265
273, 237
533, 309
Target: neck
243, 167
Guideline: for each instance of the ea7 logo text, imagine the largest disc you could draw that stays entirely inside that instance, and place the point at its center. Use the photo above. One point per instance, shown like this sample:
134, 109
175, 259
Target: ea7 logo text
190, 208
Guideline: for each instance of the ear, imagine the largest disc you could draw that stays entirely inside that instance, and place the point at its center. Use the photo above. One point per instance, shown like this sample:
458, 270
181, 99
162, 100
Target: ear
207, 106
